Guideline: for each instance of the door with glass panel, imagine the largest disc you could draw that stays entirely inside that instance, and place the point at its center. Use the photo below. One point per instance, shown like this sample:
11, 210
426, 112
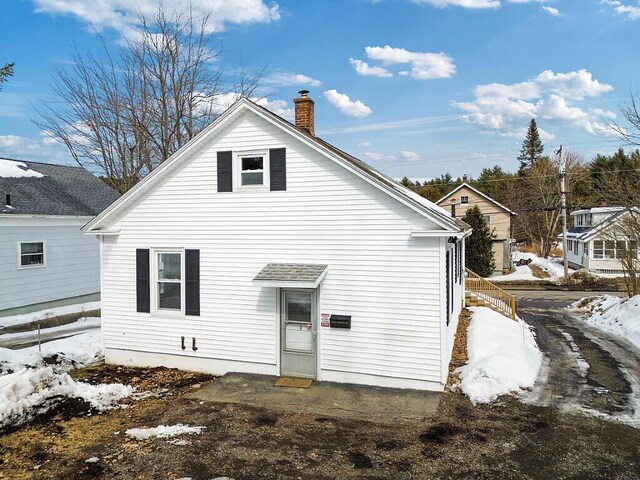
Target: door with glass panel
298, 338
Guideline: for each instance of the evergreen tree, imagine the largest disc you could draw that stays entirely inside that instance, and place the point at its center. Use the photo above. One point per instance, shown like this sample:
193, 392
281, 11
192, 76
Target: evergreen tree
532, 147
5, 72
479, 254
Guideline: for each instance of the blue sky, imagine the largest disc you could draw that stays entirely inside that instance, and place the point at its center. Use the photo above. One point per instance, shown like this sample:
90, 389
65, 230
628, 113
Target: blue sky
415, 88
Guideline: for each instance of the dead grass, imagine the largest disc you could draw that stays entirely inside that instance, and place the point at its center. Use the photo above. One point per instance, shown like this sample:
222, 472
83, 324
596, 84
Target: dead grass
460, 355
538, 272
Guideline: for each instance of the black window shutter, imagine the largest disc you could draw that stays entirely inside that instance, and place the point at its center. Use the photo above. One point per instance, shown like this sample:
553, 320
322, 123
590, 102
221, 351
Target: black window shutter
448, 268
192, 279
278, 168
143, 282
225, 172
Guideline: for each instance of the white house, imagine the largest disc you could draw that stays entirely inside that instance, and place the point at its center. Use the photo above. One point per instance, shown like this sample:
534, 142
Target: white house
45, 260
260, 248
595, 242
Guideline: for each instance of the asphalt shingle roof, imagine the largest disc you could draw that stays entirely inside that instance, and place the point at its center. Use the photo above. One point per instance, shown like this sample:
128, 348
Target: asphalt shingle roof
291, 272
61, 191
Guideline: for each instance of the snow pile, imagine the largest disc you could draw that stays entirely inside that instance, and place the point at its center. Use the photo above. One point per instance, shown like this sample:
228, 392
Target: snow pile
552, 267
44, 314
13, 169
503, 357
619, 316
82, 324
162, 431
522, 273
33, 382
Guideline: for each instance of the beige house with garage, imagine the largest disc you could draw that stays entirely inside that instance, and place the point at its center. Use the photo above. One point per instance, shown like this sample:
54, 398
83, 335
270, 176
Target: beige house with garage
497, 215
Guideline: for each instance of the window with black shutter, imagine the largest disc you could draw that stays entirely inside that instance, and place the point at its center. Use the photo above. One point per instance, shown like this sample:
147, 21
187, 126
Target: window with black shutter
192, 279
225, 171
278, 169
143, 281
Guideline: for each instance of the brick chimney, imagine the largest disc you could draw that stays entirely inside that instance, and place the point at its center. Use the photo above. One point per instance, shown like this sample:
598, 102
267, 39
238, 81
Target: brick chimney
304, 112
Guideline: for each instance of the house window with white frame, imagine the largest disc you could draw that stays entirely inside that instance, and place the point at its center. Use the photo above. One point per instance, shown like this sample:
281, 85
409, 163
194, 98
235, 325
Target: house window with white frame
169, 280
31, 254
464, 199
252, 169
487, 219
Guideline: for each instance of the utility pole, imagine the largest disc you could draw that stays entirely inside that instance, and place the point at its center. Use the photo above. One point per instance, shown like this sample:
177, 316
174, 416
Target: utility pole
563, 209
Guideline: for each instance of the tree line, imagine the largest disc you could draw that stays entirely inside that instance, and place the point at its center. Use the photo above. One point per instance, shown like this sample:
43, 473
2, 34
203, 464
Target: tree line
533, 192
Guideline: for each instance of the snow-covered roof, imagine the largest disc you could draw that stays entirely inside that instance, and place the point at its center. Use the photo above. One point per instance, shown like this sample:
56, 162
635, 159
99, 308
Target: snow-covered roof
44, 189
406, 196
597, 210
16, 169
587, 233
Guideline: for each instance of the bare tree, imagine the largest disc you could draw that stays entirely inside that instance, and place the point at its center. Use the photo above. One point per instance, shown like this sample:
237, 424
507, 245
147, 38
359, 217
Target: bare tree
122, 113
629, 134
538, 200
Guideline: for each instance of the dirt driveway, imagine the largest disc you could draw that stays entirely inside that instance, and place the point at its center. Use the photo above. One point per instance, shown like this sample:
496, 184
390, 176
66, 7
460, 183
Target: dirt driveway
505, 440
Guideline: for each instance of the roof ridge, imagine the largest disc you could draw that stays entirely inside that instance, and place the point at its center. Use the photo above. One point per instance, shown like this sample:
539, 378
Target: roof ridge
42, 163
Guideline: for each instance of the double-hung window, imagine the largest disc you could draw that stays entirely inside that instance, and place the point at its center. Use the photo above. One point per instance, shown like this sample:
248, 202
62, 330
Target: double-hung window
31, 254
169, 280
252, 170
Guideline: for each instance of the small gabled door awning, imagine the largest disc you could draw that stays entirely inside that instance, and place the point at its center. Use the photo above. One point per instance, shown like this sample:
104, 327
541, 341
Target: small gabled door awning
291, 275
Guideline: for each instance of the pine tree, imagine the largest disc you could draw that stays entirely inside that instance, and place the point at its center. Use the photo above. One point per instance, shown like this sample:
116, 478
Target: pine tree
5, 72
532, 147
479, 254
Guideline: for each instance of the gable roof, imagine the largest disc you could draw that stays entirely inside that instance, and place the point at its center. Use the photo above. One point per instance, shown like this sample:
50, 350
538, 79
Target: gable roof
587, 233
478, 192
423, 206
46, 189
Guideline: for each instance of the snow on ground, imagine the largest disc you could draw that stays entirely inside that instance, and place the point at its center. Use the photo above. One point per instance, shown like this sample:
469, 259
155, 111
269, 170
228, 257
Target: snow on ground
14, 169
521, 273
554, 268
48, 313
503, 357
619, 316
162, 431
11, 339
29, 385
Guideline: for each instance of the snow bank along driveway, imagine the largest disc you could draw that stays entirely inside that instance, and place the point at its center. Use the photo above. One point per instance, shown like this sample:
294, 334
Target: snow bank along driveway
33, 382
618, 316
503, 356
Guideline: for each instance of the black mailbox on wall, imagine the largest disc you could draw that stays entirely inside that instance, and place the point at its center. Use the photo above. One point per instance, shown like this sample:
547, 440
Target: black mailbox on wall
340, 321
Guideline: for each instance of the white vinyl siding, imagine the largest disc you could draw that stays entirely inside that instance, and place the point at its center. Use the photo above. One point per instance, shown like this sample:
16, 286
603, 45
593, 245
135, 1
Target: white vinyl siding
386, 280
72, 262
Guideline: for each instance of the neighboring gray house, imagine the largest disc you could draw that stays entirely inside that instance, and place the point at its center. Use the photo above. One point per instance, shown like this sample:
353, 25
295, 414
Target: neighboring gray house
45, 260
595, 241
258, 247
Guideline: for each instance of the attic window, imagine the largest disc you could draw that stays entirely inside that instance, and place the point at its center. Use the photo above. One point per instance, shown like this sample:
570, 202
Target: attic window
31, 254
252, 168
464, 199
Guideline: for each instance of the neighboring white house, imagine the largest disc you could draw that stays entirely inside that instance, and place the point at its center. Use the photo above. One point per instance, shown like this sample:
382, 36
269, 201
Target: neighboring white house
592, 241
260, 248
45, 260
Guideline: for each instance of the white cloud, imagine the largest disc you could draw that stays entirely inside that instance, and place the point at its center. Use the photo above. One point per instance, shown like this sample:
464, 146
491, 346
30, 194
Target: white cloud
630, 11
506, 109
374, 155
289, 79
423, 65
364, 69
551, 11
122, 15
346, 105
365, 144
280, 107
11, 141
409, 155
461, 3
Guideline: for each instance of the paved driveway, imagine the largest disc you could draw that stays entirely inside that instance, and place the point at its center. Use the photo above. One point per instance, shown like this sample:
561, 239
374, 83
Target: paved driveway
586, 370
